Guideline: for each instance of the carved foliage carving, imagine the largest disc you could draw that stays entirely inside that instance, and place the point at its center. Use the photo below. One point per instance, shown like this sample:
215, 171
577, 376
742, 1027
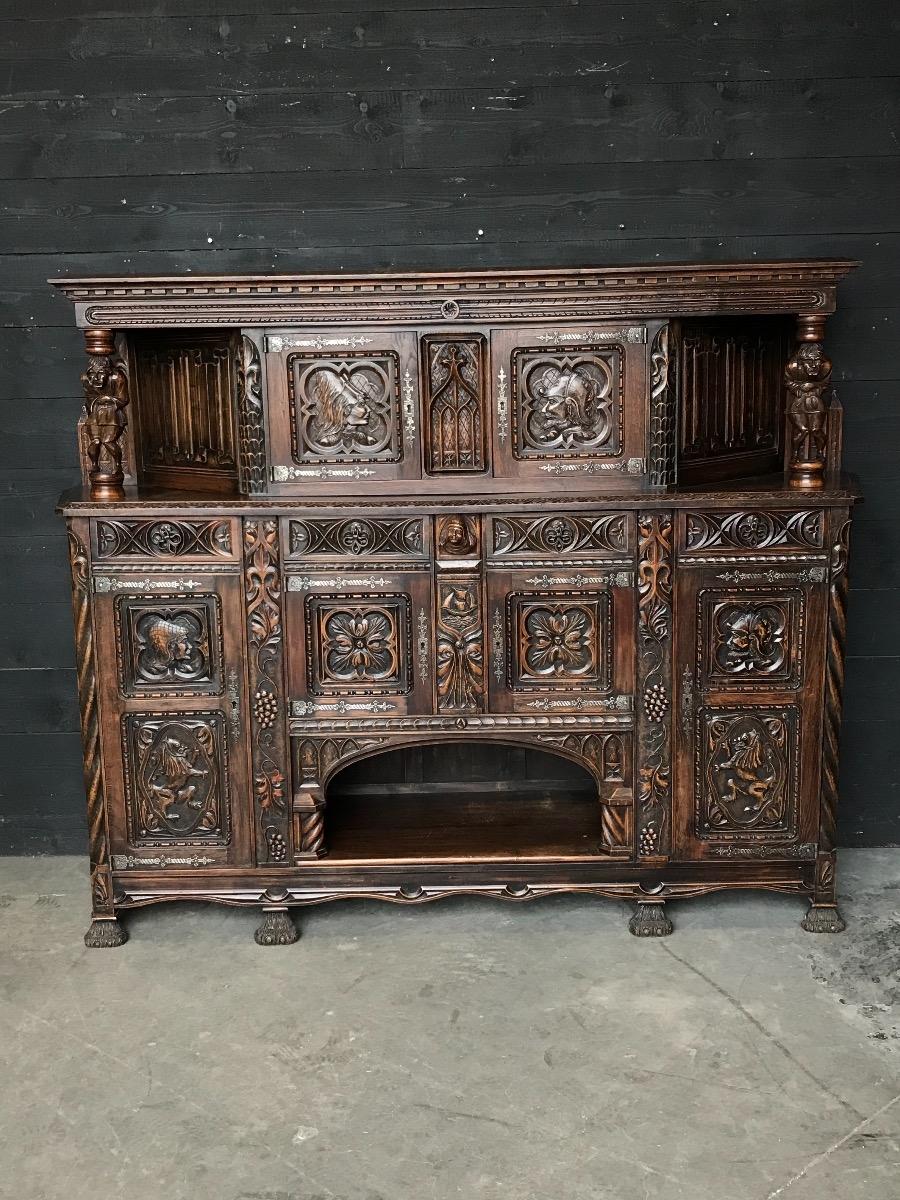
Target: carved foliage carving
262, 585
346, 408
756, 530
460, 646
561, 641
358, 644
566, 533
454, 379
746, 775
176, 781
169, 646
251, 429
163, 539
357, 536
654, 578
567, 403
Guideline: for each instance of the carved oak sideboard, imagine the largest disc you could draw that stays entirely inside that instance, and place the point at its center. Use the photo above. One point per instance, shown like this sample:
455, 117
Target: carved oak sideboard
596, 513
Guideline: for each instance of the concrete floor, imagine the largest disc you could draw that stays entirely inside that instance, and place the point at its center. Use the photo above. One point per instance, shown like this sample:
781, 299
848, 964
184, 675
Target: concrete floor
467, 1049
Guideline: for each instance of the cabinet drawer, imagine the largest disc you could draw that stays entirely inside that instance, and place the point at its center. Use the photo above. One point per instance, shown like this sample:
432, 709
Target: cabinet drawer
571, 538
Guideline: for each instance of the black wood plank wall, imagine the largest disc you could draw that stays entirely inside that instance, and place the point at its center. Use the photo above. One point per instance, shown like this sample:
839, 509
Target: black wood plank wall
229, 135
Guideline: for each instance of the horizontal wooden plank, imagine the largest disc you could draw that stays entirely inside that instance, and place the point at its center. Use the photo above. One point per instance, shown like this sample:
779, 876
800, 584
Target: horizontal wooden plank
437, 48
584, 122
40, 433
28, 500
869, 810
38, 701
335, 209
35, 604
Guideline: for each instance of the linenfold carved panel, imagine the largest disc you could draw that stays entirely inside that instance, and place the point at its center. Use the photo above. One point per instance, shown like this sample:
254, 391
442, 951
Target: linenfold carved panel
345, 408
176, 778
454, 371
747, 786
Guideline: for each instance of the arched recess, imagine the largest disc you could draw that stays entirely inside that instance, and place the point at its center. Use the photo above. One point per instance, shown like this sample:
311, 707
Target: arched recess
605, 755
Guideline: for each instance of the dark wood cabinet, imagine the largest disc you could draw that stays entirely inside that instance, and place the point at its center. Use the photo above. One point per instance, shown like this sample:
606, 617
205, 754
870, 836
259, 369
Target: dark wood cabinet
596, 515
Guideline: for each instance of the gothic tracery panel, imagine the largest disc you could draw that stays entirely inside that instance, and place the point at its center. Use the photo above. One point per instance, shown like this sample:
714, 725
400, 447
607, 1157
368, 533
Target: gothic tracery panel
454, 372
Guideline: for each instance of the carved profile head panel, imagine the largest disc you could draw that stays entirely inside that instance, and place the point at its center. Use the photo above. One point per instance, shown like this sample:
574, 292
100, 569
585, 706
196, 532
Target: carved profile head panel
169, 645
176, 778
345, 409
567, 403
751, 640
747, 785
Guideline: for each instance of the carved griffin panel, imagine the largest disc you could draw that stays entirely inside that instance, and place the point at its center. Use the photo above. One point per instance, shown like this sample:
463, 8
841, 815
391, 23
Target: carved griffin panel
176, 780
747, 785
754, 639
345, 409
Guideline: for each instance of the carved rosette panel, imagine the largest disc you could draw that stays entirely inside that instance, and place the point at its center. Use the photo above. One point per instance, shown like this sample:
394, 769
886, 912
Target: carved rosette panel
454, 405
747, 774
163, 539
358, 644
169, 645
566, 403
562, 534
345, 408
756, 530
176, 779
357, 537
751, 639
654, 581
251, 422
85, 665
561, 641
661, 463
460, 645
265, 637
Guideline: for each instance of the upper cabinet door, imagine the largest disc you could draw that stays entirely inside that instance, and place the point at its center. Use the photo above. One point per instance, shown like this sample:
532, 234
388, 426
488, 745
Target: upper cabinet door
343, 406
570, 402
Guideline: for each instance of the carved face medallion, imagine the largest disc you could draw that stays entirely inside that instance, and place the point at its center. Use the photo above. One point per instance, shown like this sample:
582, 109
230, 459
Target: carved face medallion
171, 649
565, 403
170, 644
749, 639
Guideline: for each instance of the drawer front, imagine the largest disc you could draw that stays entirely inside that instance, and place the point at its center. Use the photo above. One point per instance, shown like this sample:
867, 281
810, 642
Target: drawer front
750, 681
314, 540
570, 402
521, 539
342, 406
174, 715
359, 642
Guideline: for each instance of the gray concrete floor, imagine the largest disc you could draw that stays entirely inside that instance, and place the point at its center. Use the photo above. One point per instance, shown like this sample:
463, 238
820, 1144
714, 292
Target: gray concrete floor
467, 1049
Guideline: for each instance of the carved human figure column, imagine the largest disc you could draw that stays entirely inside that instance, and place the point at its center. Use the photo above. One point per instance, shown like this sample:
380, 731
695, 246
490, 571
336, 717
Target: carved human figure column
808, 379
105, 401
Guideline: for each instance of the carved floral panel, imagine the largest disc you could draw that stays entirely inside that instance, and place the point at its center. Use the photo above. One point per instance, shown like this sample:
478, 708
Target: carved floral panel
358, 644
345, 408
559, 642
460, 646
746, 781
176, 778
169, 645
566, 403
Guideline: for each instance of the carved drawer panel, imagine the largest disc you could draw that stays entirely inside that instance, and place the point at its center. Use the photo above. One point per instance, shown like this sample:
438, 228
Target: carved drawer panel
561, 642
360, 643
176, 778
569, 401
516, 538
170, 644
359, 539
343, 405
752, 532
131, 539
747, 775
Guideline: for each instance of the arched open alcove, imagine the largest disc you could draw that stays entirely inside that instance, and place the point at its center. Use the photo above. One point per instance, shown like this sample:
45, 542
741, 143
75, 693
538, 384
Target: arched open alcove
463, 799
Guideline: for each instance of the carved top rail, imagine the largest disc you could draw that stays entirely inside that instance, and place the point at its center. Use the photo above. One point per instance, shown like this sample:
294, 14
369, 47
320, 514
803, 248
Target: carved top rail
804, 286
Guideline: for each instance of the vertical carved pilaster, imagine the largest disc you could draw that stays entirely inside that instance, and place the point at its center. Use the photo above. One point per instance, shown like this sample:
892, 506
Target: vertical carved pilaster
251, 428
262, 586
654, 686
105, 385
808, 379
98, 838
662, 412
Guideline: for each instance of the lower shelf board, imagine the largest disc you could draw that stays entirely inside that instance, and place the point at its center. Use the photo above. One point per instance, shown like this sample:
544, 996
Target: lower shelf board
462, 825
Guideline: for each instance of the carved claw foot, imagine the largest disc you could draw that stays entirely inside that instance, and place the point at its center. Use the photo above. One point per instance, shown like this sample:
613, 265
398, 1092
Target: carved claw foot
823, 918
650, 920
276, 929
105, 933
